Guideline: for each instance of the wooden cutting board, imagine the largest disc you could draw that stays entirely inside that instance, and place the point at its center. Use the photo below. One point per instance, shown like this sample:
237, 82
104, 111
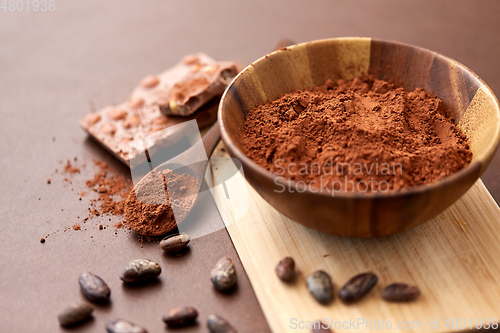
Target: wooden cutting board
454, 259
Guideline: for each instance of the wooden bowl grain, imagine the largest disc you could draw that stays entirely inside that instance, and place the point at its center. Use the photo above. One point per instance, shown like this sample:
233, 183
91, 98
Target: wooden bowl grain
471, 102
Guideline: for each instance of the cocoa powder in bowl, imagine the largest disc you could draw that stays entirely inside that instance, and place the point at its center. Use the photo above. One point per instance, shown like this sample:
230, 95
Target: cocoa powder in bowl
362, 135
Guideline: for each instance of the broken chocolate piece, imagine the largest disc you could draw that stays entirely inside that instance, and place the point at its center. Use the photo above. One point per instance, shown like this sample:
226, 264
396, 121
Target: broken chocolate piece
121, 133
205, 83
184, 88
191, 89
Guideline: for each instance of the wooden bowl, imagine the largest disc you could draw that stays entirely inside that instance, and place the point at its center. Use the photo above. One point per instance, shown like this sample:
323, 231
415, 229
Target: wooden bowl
472, 103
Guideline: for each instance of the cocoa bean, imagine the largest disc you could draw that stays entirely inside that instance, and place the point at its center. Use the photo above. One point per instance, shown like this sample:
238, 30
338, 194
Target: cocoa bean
320, 285
181, 317
357, 287
224, 274
400, 292
75, 314
140, 270
123, 326
175, 243
286, 269
217, 324
93, 287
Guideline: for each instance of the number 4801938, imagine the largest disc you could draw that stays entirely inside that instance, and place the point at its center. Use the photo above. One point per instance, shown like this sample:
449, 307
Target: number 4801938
27, 5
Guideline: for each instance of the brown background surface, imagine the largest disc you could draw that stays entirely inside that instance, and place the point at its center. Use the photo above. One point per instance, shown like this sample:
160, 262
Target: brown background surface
55, 66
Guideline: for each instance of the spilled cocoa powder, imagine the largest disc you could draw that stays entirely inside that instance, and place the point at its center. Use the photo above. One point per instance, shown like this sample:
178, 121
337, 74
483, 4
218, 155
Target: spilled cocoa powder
159, 200
152, 215
112, 188
356, 132
70, 168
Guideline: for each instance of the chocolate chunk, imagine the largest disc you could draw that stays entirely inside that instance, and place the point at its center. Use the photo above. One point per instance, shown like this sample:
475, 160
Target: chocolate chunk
140, 270
75, 314
126, 138
188, 91
93, 287
205, 81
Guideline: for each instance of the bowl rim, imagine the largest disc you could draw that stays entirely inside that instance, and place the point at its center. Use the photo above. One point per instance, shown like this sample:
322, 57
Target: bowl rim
415, 190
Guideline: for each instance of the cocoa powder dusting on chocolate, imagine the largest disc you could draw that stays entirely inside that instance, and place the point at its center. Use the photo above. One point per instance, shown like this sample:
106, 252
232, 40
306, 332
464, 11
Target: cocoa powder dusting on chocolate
363, 121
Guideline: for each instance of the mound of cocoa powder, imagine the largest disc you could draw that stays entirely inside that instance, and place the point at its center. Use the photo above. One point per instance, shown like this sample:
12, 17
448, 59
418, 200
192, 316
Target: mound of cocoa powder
330, 133
150, 206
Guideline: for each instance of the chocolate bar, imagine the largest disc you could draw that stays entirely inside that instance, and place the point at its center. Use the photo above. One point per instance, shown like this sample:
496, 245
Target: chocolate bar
121, 129
189, 90
183, 89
